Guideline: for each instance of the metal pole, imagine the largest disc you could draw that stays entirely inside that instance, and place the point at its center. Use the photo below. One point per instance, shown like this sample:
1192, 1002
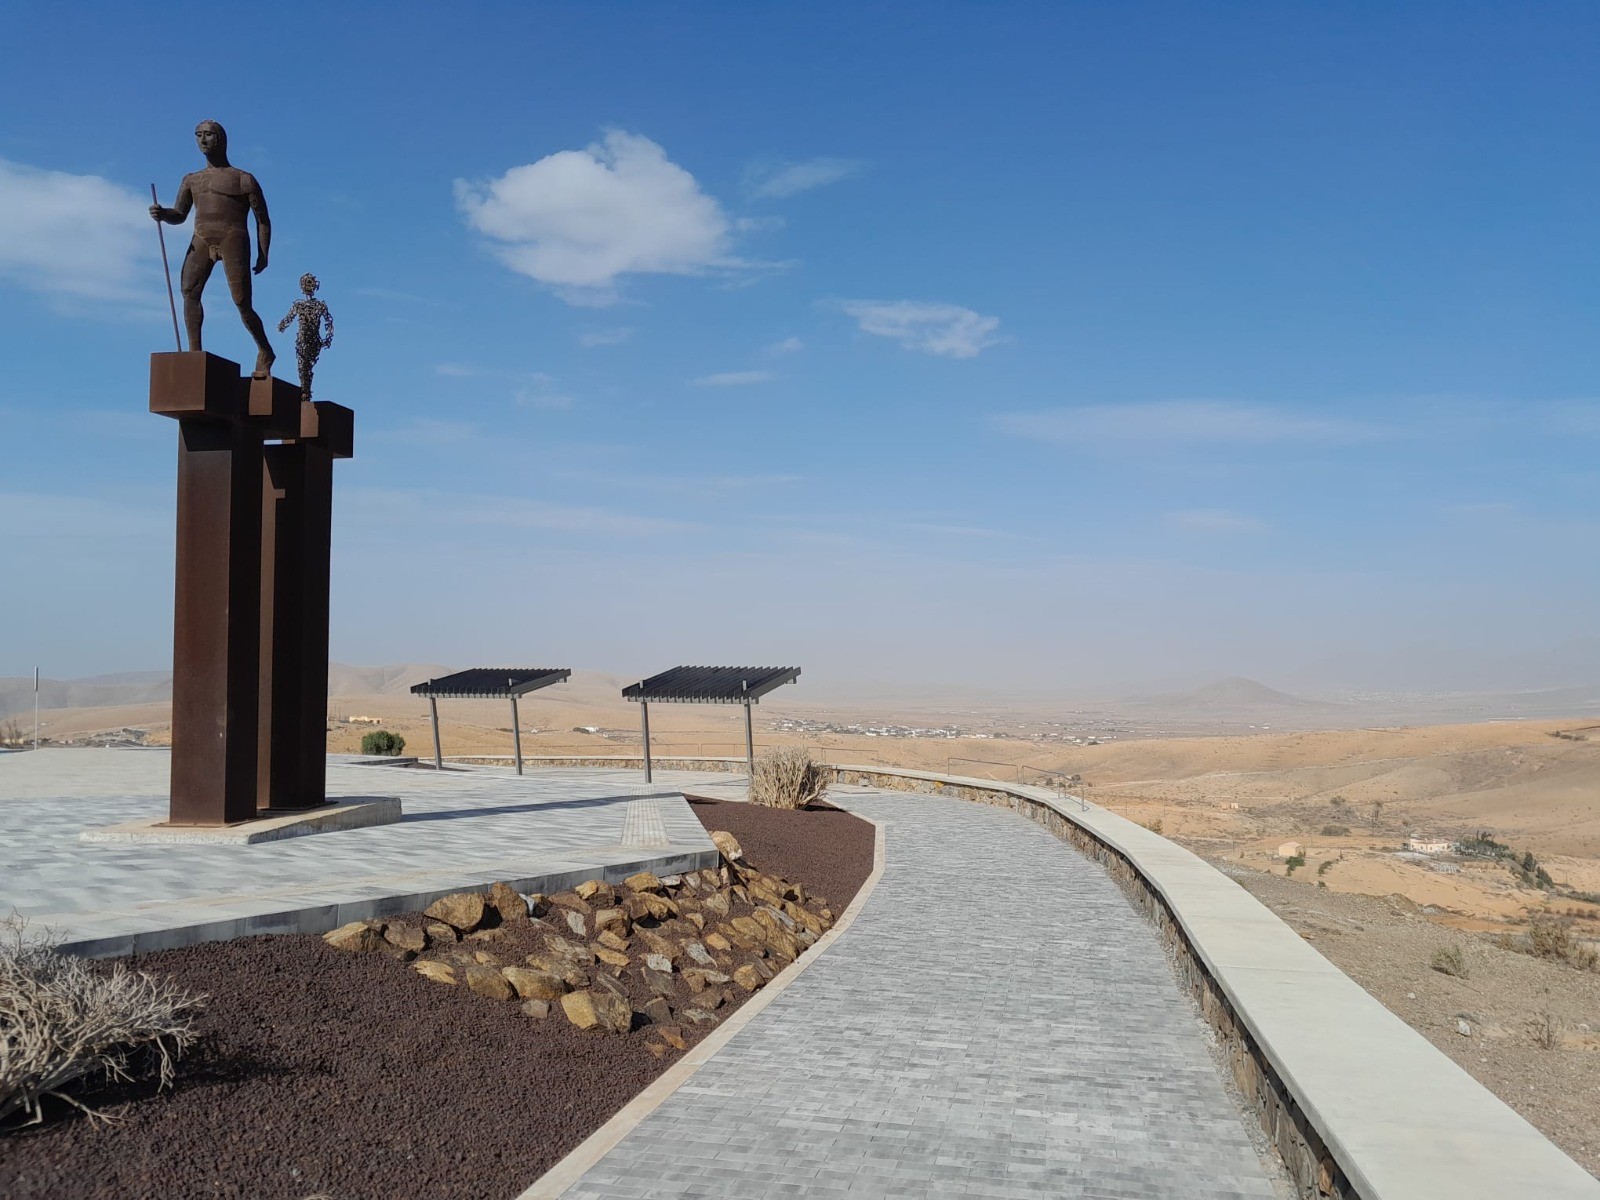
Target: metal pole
36, 708
749, 745
438, 756
516, 733
644, 721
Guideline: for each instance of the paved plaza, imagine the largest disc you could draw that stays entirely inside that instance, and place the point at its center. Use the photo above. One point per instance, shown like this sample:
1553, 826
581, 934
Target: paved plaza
998, 1023
459, 829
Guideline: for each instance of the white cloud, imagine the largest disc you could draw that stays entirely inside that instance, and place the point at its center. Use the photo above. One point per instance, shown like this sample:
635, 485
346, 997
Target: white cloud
604, 337
577, 220
1184, 421
733, 378
789, 345
538, 397
777, 181
1215, 520
944, 329
77, 237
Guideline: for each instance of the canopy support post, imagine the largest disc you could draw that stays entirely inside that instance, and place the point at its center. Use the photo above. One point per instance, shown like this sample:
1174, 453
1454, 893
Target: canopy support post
516, 732
749, 746
438, 755
644, 722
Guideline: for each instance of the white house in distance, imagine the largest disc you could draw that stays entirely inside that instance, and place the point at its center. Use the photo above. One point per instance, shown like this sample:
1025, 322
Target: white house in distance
1426, 844
1290, 849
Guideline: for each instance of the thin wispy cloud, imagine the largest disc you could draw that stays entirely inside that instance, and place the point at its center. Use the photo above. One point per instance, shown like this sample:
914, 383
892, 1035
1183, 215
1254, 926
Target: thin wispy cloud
733, 379
789, 345
778, 181
378, 293
1185, 422
77, 238
538, 397
593, 338
581, 220
1215, 520
946, 330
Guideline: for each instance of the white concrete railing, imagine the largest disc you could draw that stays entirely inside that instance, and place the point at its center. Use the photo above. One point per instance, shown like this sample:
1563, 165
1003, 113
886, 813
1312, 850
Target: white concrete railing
1357, 1102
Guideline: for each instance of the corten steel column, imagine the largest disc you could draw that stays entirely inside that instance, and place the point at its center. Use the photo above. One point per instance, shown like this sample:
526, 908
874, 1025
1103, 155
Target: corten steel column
438, 753
297, 529
644, 721
516, 732
749, 745
217, 594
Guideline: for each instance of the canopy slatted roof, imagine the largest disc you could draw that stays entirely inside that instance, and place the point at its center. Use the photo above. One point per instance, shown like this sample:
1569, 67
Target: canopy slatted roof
492, 683
711, 685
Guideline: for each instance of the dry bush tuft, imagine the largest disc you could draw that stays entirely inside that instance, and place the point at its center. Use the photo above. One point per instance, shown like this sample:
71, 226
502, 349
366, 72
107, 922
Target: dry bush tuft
1448, 960
62, 1023
786, 777
1551, 937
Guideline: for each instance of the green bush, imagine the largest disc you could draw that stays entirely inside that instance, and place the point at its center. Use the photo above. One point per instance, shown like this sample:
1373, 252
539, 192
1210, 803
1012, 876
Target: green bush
381, 741
1336, 831
1294, 863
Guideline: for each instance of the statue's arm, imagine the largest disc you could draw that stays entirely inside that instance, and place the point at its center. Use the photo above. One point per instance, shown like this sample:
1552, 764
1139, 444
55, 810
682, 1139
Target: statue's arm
258, 205
180, 212
284, 324
327, 320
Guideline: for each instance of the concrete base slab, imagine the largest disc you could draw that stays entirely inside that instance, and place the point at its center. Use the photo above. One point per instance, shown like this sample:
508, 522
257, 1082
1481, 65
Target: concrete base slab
329, 818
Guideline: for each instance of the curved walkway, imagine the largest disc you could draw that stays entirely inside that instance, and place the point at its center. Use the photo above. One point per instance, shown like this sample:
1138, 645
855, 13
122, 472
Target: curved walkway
997, 1023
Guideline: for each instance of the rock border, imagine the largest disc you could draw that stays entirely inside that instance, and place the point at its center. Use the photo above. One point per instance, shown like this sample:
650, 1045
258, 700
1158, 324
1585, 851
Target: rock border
1356, 1102
597, 1145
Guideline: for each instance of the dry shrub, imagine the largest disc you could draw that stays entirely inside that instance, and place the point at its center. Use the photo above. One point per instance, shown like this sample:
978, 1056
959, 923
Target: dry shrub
64, 1024
1546, 1030
1551, 937
786, 777
1448, 960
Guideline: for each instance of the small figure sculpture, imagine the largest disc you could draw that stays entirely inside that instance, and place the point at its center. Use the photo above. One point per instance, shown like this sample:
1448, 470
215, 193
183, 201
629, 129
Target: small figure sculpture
222, 197
309, 340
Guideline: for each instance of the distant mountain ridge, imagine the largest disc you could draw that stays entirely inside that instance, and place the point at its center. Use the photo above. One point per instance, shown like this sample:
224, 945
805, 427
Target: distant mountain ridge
1234, 694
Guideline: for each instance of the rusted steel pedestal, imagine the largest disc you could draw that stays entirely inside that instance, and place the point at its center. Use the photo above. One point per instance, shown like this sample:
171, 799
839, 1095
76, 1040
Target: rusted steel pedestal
297, 530
251, 588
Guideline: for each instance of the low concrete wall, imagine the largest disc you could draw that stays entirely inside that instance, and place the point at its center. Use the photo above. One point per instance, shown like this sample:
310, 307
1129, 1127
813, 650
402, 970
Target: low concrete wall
1357, 1103
734, 765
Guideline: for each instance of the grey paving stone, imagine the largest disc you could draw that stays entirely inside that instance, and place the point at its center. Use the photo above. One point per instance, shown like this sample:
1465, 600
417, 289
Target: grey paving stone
998, 1024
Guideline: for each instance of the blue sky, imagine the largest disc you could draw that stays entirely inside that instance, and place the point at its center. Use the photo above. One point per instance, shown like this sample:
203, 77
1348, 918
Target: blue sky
1038, 346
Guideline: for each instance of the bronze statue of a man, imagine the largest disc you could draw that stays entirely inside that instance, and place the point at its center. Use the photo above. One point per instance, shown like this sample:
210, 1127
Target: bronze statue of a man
222, 197
309, 339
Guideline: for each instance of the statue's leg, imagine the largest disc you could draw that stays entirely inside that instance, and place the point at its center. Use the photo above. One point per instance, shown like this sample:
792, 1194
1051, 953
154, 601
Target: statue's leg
305, 350
236, 263
197, 266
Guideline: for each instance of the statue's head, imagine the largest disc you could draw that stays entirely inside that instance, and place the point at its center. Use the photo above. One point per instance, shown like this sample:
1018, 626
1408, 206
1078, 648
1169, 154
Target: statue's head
309, 284
211, 136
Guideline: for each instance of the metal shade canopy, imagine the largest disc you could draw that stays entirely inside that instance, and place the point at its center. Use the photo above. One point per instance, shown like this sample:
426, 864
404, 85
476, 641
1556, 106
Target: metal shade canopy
708, 685
488, 683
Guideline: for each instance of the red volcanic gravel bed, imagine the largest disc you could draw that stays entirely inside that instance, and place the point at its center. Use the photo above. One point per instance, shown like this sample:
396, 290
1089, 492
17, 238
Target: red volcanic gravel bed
323, 1072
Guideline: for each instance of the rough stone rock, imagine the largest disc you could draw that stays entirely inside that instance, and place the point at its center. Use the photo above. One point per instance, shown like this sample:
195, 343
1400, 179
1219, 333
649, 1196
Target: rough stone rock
604, 983
804, 917
718, 943
488, 982
699, 978
698, 953
460, 910
612, 958
575, 923
657, 962
486, 935
440, 932
437, 971
691, 881
697, 1016
671, 881
536, 1008
718, 904
805, 937
359, 936
713, 998
588, 888
484, 959
826, 914
612, 939
611, 918
573, 901
659, 1049
658, 1010
659, 944
568, 955
698, 919
740, 893
404, 937
727, 844
508, 902
644, 881
530, 983
747, 977
538, 902
659, 983
749, 929
642, 906
599, 1012
764, 968
673, 1036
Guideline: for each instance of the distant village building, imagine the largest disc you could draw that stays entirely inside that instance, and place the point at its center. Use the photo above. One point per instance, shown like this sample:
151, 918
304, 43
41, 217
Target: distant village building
1290, 849
364, 720
1423, 844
